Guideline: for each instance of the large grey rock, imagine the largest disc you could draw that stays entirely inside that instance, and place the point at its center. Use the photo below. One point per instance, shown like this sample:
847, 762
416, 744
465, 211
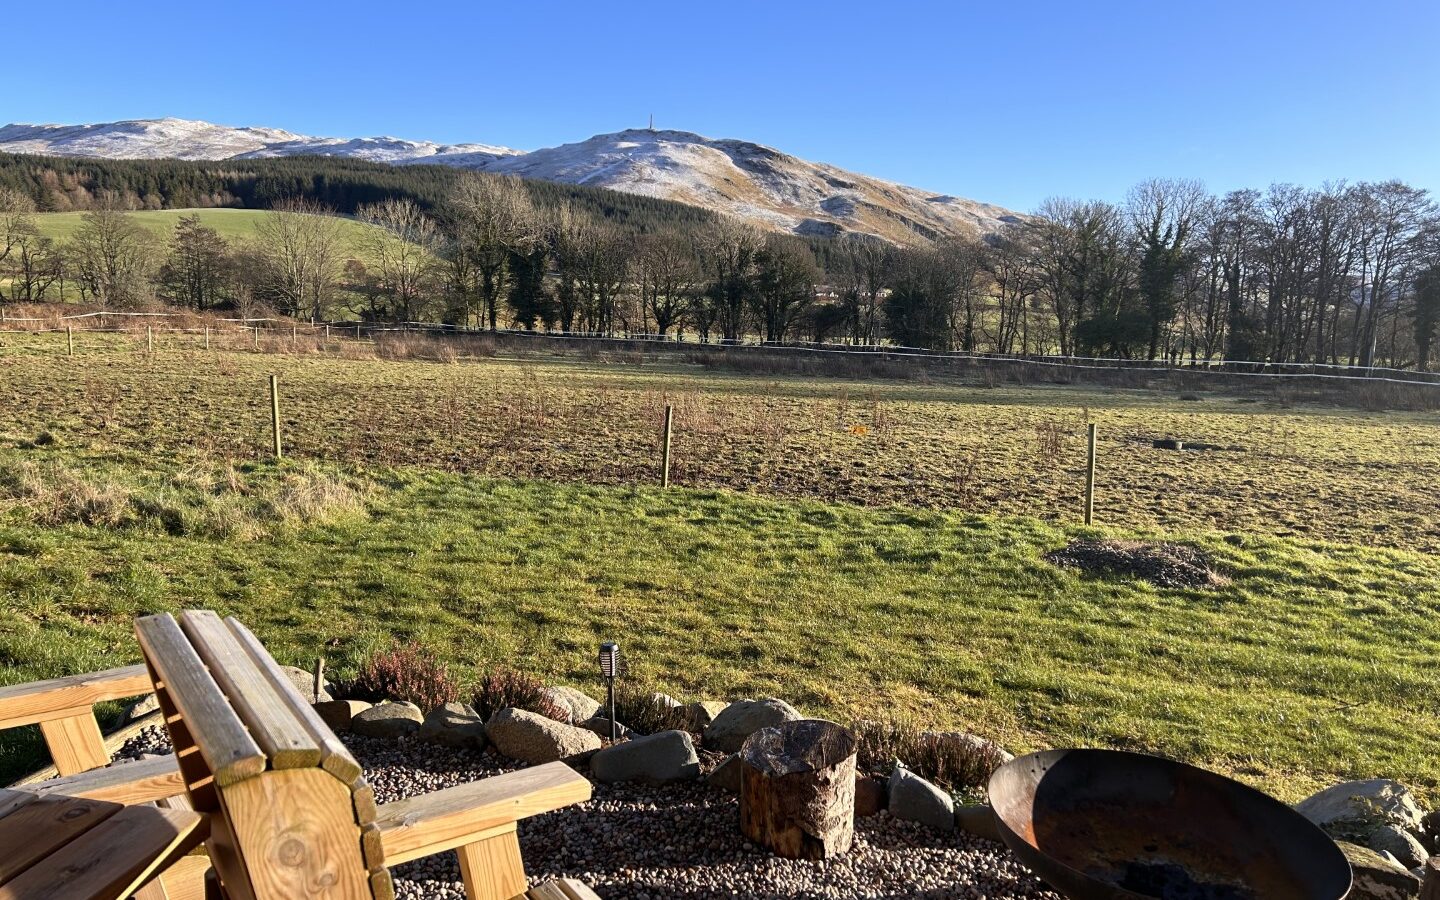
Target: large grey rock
698, 715
739, 720
454, 725
577, 703
1350, 811
726, 776
978, 820
662, 758
305, 683
339, 714
601, 726
140, 708
535, 739
1377, 878
915, 799
869, 796
387, 720
1399, 843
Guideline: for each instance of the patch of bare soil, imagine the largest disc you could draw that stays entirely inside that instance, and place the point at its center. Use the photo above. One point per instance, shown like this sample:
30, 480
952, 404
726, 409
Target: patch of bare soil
1161, 564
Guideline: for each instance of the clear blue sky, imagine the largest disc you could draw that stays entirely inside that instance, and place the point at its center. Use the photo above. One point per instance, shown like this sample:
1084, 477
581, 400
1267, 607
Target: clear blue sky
1005, 102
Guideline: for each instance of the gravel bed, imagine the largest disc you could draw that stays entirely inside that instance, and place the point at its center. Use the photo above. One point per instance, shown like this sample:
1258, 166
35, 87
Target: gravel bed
652, 843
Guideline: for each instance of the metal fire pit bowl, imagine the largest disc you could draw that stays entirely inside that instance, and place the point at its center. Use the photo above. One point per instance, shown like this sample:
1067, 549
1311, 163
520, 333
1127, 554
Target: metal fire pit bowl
1107, 824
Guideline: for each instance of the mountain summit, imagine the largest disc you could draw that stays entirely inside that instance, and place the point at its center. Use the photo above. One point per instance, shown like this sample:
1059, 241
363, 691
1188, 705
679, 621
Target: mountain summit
738, 178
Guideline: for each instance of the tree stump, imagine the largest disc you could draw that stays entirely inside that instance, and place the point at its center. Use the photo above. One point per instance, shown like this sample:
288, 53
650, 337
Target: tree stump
797, 789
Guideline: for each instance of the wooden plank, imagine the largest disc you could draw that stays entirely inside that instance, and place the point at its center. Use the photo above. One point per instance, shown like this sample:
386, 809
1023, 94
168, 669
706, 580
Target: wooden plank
272, 723
113, 859
126, 783
382, 885
576, 890
185, 880
229, 751
550, 890
154, 889
199, 783
227, 865
492, 868
362, 795
372, 849
336, 758
114, 740
13, 800
35, 830
75, 743
296, 833
420, 826
36, 701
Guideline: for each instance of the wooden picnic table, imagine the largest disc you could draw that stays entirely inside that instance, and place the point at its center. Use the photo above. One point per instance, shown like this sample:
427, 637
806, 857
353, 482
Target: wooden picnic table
58, 846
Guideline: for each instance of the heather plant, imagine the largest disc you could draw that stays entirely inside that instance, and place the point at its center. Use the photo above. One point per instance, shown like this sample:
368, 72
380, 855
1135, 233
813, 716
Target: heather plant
503, 687
404, 672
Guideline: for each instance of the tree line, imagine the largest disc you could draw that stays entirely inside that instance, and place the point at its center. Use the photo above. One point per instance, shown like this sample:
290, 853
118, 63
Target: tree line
1343, 274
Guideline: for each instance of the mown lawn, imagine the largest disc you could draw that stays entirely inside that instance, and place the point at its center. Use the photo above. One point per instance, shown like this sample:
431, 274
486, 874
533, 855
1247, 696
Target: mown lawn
1316, 662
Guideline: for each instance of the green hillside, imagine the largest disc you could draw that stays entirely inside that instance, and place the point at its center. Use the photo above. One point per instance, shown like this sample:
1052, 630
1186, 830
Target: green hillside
233, 224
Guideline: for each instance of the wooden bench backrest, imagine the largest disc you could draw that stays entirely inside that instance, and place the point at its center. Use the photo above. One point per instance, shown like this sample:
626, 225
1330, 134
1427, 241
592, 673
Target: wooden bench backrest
292, 816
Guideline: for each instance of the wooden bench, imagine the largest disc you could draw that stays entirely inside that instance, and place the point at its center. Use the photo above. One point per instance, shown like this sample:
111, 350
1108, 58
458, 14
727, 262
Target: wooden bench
291, 815
64, 710
57, 846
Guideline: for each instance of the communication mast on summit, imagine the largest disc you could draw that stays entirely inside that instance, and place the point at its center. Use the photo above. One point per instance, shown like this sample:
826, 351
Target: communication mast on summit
652, 121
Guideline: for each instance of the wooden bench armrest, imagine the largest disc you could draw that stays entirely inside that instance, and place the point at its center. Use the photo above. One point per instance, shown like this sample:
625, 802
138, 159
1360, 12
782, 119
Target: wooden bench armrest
443, 820
60, 698
130, 783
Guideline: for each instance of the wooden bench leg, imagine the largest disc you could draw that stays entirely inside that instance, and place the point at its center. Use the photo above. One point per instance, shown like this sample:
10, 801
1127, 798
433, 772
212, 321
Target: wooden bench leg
75, 743
154, 889
492, 868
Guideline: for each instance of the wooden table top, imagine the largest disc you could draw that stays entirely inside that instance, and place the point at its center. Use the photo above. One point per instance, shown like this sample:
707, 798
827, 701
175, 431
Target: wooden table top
54, 846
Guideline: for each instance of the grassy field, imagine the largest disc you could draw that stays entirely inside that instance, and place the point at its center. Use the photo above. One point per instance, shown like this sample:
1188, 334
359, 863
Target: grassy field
233, 224
1314, 662
1310, 472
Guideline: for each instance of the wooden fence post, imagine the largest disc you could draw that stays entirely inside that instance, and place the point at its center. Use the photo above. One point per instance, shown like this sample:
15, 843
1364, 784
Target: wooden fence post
294, 338
257, 337
149, 339
275, 415
69, 341
207, 337
665, 451
1090, 474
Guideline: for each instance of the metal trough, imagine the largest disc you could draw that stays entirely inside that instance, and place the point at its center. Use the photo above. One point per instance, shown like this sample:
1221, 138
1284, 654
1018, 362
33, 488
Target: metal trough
1109, 824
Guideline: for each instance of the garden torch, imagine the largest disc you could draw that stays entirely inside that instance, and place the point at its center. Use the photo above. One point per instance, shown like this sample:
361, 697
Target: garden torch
609, 669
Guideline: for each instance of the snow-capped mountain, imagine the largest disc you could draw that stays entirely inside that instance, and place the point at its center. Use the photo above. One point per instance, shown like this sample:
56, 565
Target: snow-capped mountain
738, 178
756, 183
186, 139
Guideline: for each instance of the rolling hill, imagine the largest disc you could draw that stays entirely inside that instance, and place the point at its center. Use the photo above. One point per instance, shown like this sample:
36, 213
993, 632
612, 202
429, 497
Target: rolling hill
759, 184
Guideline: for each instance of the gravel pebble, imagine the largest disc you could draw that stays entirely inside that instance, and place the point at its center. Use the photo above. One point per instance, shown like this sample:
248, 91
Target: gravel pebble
681, 841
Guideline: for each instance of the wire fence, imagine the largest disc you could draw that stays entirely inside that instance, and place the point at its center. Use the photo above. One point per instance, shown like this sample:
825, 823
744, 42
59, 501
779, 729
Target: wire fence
360, 330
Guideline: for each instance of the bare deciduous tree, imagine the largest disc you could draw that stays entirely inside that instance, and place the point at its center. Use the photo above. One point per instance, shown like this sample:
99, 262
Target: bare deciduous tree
113, 257
491, 217
302, 246
401, 250
668, 275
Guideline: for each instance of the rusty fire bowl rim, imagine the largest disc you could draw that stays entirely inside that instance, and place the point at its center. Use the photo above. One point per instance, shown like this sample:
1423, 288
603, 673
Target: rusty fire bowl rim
1070, 878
